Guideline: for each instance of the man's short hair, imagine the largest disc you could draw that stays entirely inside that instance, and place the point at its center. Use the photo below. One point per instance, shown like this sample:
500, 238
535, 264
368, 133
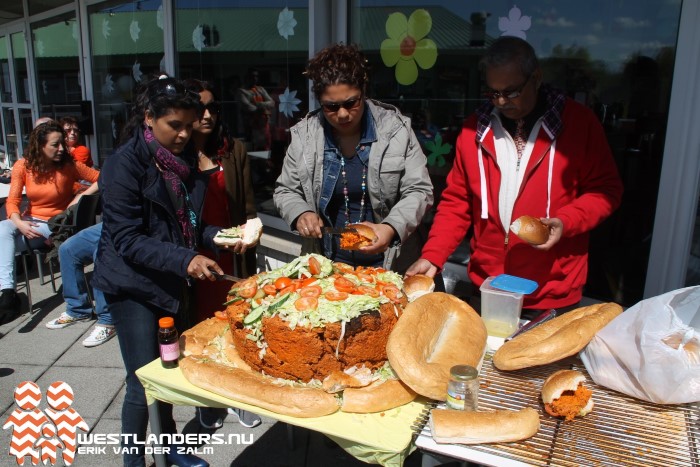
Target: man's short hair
510, 49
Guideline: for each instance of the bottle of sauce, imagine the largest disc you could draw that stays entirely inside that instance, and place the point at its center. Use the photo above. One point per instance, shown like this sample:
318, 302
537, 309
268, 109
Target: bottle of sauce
168, 342
463, 388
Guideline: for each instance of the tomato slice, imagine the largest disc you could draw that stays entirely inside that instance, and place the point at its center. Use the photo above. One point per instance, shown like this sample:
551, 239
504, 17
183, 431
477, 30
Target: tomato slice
287, 290
248, 288
392, 293
369, 291
364, 277
282, 282
308, 281
342, 267
333, 296
314, 266
221, 315
306, 303
270, 289
342, 284
311, 291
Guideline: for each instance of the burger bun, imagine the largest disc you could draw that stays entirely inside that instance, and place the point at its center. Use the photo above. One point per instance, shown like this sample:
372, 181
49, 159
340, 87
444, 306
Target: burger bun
417, 286
369, 237
530, 229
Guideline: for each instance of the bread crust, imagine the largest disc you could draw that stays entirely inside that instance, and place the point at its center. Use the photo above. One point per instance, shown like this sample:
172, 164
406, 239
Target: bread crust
556, 339
417, 286
530, 229
434, 333
211, 362
560, 381
501, 426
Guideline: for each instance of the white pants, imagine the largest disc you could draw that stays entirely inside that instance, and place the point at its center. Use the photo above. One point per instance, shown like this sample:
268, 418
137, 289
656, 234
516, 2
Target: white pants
11, 242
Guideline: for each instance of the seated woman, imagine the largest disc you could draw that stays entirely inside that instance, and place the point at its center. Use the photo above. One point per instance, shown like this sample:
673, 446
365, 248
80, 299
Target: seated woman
79, 152
47, 173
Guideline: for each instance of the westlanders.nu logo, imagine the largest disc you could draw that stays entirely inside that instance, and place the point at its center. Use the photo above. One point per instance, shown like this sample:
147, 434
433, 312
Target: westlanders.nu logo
40, 434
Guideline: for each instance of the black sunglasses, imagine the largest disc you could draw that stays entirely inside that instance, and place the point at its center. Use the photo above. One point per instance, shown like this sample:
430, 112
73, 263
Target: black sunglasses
347, 105
170, 87
213, 107
507, 95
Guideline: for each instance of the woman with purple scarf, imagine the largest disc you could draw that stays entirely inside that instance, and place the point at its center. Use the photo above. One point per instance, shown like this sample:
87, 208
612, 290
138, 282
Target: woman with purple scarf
147, 257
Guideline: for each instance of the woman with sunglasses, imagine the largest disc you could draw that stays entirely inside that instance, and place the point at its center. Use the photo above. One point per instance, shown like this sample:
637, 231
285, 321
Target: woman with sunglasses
152, 227
47, 173
354, 160
229, 201
79, 152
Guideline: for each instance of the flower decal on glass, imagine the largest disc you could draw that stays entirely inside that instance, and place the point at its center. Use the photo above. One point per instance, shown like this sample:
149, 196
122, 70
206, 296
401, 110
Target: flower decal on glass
515, 24
114, 129
134, 30
136, 71
108, 87
198, 38
289, 102
106, 29
437, 151
286, 23
407, 46
39, 48
159, 17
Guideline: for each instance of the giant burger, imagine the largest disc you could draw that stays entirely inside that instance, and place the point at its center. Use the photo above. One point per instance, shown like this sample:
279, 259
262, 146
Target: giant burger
306, 339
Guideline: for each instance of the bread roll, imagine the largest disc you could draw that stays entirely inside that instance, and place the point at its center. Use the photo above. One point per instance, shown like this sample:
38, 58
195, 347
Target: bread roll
530, 229
434, 333
558, 338
365, 236
568, 384
417, 286
249, 234
501, 426
377, 397
252, 388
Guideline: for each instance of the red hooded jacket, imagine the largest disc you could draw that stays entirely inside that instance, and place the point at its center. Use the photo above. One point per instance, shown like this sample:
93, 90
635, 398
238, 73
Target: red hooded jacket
571, 169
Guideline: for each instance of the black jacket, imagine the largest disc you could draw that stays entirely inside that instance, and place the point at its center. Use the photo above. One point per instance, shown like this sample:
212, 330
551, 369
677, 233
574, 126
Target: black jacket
142, 253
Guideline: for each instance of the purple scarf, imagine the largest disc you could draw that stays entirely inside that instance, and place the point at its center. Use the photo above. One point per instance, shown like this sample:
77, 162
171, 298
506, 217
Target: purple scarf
175, 172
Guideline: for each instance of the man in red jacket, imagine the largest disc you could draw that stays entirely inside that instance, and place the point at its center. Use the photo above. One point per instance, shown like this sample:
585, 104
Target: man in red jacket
528, 150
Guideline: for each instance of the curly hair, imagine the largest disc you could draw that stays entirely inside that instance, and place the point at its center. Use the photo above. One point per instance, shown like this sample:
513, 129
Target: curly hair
338, 64
35, 160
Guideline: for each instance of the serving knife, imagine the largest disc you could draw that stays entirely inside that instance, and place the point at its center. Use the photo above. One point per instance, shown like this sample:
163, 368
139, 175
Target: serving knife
225, 277
536, 321
338, 230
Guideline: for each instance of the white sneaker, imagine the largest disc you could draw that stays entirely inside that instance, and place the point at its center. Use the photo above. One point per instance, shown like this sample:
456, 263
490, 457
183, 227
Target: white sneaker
245, 418
65, 320
99, 335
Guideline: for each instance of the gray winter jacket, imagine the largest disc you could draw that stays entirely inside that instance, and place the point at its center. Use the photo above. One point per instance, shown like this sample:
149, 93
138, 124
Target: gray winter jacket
400, 190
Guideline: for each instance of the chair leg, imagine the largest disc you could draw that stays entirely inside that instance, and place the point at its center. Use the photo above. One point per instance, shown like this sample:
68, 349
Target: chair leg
90, 297
25, 264
41, 268
53, 280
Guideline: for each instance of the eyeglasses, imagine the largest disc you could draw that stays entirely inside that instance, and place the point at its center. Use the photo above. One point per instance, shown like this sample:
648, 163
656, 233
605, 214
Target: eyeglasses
347, 105
170, 87
213, 107
508, 95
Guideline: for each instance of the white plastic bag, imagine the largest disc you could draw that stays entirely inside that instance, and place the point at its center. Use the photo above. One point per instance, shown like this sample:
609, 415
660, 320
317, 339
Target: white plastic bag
652, 350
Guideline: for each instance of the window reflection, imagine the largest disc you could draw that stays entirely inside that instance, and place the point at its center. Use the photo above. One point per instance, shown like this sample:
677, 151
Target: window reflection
616, 58
19, 53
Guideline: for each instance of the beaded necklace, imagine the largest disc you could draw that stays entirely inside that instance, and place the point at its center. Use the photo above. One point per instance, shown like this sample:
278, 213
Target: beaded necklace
345, 191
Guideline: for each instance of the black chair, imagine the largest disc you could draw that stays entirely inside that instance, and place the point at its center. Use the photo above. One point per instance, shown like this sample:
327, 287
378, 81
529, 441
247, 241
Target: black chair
85, 215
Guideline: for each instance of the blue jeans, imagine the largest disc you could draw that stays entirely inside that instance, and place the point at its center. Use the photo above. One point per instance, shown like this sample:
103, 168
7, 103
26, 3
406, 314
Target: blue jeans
74, 254
10, 242
137, 331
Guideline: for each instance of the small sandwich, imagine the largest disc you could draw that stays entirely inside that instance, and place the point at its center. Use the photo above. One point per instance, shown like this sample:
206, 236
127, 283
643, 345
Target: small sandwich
564, 395
357, 236
417, 286
530, 229
249, 234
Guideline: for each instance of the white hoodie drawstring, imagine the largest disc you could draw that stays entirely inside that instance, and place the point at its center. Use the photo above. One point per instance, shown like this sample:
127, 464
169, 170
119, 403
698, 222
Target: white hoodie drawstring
482, 179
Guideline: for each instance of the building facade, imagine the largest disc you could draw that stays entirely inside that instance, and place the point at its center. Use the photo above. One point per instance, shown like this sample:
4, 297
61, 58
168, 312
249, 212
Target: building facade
633, 62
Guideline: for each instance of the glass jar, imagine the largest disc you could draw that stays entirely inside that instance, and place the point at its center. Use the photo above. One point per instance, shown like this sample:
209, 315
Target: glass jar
463, 388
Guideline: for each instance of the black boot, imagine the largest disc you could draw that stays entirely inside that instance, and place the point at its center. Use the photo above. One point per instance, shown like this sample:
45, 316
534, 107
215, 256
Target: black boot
9, 304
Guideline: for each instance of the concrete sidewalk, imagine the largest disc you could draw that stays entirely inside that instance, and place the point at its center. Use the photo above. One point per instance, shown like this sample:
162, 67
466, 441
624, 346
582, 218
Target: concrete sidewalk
31, 352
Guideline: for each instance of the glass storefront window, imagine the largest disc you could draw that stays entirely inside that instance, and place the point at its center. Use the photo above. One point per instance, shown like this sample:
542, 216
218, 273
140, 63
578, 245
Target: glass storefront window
11, 10
5, 86
57, 65
19, 53
127, 46
45, 5
8, 115
229, 43
617, 58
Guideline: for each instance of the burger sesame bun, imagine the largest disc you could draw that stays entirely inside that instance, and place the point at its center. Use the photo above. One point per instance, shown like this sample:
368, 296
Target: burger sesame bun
530, 229
418, 285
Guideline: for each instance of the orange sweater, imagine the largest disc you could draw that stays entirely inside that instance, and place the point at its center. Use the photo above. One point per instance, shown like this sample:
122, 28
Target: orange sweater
50, 197
81, 154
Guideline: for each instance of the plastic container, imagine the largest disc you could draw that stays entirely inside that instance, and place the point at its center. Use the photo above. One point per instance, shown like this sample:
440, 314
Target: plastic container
500, 309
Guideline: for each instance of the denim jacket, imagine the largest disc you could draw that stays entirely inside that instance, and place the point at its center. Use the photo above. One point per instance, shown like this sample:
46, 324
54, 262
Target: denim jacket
398, 185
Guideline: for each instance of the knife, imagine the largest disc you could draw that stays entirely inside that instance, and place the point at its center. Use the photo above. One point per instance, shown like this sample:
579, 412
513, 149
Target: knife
337, 230
536, 321
224, 277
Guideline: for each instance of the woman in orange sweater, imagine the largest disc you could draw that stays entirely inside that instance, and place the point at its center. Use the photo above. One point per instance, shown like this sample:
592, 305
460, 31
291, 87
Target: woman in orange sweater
47, 174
